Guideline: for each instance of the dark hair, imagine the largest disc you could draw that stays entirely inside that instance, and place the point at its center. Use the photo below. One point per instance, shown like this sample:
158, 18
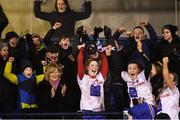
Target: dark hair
173, 29
64, 37
66, 3
158, 67
137, 62
138, 27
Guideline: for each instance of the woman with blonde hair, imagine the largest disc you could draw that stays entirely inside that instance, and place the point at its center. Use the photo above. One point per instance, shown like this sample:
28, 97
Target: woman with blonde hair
51, 92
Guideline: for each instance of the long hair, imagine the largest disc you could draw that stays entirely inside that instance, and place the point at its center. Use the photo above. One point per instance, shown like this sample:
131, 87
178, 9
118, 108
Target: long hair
66, 3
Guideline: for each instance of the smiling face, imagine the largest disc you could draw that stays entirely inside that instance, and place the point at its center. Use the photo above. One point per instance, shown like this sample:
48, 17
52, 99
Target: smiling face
138, 34
4, 52
65, 43
133, 70
28, 72
54, 75
53, 57
93, 68
13, 42
167, 34
61, 6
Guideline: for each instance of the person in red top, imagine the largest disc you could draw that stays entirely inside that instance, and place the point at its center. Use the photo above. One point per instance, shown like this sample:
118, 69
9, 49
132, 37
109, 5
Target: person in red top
91, 78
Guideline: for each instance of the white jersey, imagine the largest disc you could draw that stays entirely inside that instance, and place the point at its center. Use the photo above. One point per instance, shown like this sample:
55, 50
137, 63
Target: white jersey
169, 103
92, 93
140, 88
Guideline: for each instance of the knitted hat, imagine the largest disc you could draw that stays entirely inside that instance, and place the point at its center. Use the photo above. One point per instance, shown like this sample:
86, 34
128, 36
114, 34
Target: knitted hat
10, 35
173, 29
52, 48
2, 45
25, 64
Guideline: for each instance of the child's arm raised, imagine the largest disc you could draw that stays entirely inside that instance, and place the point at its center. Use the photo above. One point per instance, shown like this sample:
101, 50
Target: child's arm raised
166, 74
7, 72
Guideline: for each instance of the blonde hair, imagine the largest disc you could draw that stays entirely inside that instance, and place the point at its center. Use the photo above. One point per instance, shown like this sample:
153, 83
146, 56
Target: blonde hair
50, 69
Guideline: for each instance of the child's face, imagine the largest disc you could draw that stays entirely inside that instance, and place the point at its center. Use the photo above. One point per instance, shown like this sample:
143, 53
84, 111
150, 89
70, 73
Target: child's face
13, 42
53, 57
65, 43
138, 34
4, 52
54, 76
28, 72
61, 6
93, 68
133, 70
167, 34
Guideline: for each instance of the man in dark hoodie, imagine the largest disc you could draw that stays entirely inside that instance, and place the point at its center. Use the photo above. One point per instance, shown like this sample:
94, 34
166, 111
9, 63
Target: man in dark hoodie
63, 14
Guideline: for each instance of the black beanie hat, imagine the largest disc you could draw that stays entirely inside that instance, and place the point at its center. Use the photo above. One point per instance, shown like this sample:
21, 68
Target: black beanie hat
173, 29
25, 64
52, 48
10, 35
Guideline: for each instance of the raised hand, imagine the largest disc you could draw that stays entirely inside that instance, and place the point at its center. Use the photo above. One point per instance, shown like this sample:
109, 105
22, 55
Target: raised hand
44, 62
143, 23
53, 92
57, 25
121, 30
11, 59
139, 46
63, 90
165, 59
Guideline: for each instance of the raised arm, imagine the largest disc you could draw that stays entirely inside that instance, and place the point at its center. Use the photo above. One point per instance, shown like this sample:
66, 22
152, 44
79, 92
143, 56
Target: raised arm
86, 12
38, 13
146, 60
166, 74
81, 68
7, 72
49, 34
3, 20
151, 31
104, 66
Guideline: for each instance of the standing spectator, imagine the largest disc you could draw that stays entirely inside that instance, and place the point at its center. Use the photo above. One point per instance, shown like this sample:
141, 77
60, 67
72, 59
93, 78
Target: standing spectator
3, 20
139, 88
63, 14
169, 96
26, 82
91, 84
169, 46
8, 96
139, 35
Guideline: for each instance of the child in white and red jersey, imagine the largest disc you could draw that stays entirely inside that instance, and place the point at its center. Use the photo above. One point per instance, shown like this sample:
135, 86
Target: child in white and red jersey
91, 84
139, 88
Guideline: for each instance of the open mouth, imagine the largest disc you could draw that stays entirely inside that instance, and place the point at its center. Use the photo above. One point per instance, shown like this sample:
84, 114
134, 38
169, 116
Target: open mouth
93, 71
